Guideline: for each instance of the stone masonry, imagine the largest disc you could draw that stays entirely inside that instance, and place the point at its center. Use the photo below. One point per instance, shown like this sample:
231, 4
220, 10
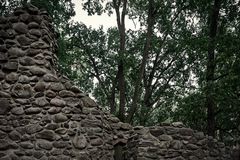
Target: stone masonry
44, 116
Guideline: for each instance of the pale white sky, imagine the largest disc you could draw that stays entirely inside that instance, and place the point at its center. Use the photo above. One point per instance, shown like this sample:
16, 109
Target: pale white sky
95, 21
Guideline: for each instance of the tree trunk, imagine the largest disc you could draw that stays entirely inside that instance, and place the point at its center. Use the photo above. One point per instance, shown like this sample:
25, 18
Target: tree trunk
137, 86
210, 99
122, 34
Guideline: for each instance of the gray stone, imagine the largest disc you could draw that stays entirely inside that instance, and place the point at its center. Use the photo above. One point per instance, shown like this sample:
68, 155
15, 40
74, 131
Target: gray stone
60, 144
44, 144
50, 78
56, 87
33, 110
4, 144
15, 52
26, 145
33, 25
4, 94
46, 134
23, 40
79, 142
50, 94
39, 45
165, 137
22, 91
54, 110
57, 102
192, 146
12, 77
35, 32
33, 128
5, 106
10, 66
186, 131
2, 134
24, 17
2, 75
96, 142
15, 136
40, 87
38, 71
27, 61
88, 102
65, 93
17, 110
20, 27
41, 101
24, 79
58, 118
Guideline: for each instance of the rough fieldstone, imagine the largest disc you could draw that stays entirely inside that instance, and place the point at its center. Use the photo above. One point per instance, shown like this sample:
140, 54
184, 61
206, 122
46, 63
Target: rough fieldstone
12, 77
2, 134
80, 142
50, 94
22, 91
20, 27
192, 146
33, 128
3, 56
24, 79
17, 110
15, 52
4, 144
4, 94
5, 106
15, 136
36, 32
2, 75
46, 134
54, 110
186, 131
39, 45
41, 101
88, 102
58, 118
27, 61
33, 110
23, 40
165, 137
33, 25
24, 17
50, 78
56, 87
60, 144
57, 102
96, 142
65, 93
38, 71
10, 66
44, 144
26, 145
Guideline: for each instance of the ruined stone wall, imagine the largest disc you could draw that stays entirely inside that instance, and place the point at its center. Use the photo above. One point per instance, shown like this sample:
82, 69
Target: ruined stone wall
44, 116
174, 142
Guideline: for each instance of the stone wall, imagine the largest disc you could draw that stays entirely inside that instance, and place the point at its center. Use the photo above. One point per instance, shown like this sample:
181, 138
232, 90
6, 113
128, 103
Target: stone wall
44, 116
174, 142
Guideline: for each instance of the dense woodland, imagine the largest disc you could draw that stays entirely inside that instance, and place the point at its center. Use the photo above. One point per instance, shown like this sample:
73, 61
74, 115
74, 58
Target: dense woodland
182, 64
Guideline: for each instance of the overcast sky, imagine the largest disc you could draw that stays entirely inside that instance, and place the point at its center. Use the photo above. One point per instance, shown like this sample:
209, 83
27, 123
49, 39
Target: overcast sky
95, 21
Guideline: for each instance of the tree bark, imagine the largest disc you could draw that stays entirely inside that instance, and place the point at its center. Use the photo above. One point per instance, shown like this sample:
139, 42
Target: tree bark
210, 99
122, 34
137, 86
